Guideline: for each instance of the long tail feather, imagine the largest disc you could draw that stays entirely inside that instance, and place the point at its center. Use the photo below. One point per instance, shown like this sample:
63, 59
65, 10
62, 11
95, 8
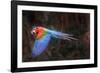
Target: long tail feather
61, 35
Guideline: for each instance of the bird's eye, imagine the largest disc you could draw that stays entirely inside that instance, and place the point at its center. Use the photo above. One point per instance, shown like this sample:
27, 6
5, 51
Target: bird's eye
36, 32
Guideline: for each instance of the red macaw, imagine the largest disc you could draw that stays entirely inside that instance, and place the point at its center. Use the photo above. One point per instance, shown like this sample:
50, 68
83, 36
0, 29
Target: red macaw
43, 37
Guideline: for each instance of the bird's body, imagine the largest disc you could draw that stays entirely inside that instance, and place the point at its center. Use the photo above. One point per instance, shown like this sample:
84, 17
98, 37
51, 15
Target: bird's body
43, 37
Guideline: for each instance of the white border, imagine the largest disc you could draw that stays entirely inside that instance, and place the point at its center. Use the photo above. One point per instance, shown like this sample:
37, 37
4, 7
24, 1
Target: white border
53, 63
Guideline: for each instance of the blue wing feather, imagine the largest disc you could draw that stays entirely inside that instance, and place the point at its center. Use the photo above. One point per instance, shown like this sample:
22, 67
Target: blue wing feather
40, 45
61, 35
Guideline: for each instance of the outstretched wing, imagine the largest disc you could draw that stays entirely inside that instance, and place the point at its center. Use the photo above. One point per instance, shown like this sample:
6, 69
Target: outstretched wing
40, 45
61, 35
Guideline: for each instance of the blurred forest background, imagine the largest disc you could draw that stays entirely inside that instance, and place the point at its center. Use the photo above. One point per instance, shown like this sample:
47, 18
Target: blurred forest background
77, 24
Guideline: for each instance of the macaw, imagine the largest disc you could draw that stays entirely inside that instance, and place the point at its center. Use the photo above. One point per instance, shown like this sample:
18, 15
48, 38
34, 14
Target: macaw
43, 36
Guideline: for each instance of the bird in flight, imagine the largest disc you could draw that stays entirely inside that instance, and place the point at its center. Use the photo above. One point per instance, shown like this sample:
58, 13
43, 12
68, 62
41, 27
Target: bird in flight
43, 37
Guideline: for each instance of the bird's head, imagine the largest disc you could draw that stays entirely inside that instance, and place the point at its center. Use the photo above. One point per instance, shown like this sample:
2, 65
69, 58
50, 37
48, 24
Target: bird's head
38, 32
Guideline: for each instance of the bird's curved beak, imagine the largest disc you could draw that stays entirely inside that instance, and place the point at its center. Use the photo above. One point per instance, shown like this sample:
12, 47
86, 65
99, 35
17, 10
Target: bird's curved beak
33, 33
